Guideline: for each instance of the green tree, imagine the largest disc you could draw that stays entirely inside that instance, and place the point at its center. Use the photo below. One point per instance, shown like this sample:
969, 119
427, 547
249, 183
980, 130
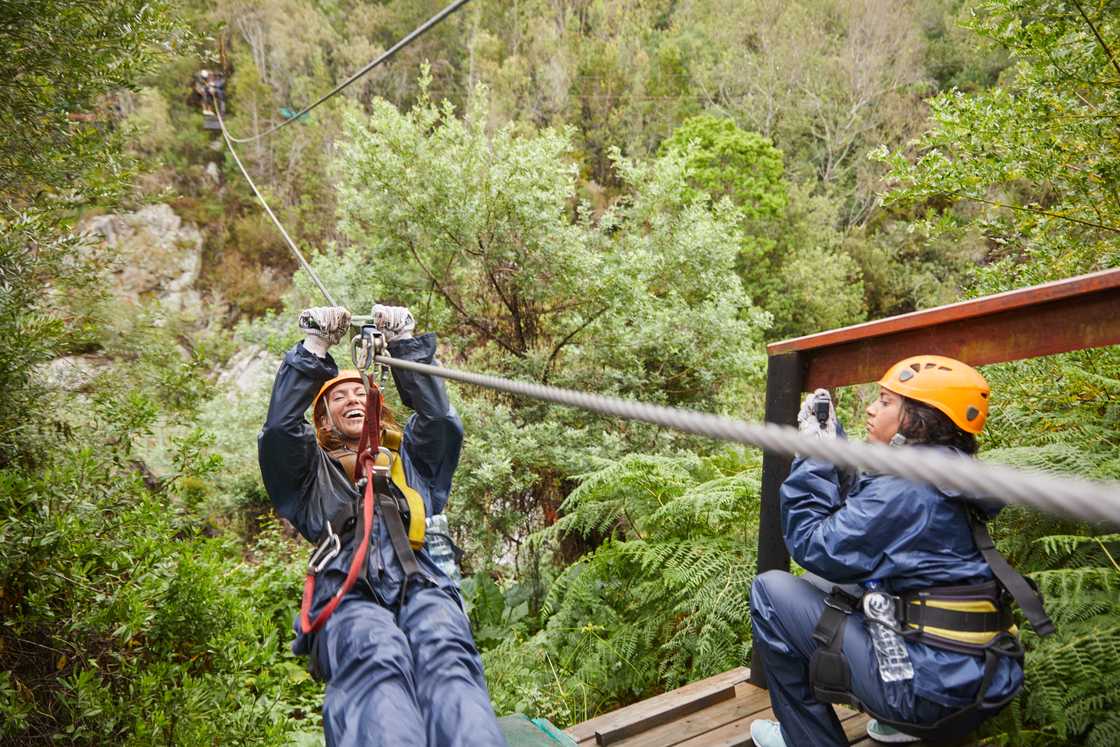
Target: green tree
725, 161
62, 61
1033, 163
791, 260
122, 622
480, 233
825, 81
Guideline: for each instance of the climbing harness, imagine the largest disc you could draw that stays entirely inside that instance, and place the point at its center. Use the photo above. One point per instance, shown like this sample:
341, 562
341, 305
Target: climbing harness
342, 524
348, 458
973, 619
385, 494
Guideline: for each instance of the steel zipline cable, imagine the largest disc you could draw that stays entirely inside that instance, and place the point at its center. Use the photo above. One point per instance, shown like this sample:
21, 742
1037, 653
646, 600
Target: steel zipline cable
1086, 500
267, 209
384, 57
1064, 495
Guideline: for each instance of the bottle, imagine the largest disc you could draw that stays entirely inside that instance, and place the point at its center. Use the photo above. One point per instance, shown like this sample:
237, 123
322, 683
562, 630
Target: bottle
890, 650
437, 538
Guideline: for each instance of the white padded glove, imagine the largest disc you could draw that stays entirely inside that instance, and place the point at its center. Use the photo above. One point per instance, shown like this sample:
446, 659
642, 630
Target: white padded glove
323, 327
809, 419
395, 322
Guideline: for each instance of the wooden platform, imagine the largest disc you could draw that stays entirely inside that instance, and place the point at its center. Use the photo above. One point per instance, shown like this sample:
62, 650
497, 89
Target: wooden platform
716, 712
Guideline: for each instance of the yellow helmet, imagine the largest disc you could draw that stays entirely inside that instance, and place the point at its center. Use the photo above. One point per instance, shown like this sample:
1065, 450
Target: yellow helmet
956, 389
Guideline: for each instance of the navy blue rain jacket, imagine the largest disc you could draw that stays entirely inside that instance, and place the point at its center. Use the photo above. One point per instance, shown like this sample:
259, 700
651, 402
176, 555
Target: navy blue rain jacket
908, 536
308, 487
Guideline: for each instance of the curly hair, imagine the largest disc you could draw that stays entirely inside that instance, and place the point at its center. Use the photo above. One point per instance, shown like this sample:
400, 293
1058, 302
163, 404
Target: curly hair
922, 424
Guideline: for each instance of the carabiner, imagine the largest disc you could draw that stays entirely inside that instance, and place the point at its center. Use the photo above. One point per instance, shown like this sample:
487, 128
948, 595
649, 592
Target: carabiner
325, 552
364, 348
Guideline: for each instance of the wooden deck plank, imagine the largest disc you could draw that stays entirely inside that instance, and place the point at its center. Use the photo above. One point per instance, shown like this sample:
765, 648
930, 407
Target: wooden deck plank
722, 723
738, 733
681, 712
748, 700
651, 706
854, 723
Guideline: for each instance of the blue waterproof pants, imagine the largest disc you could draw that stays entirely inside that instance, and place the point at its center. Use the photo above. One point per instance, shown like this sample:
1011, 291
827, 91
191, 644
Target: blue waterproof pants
784, 611
416, 680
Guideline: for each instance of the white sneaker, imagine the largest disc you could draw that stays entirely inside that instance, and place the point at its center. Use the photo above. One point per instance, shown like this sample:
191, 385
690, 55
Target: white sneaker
766, 733
888, 734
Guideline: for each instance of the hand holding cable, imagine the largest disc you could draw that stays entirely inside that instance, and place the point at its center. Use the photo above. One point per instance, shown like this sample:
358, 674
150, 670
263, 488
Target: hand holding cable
395, 322
323, 326
817, 416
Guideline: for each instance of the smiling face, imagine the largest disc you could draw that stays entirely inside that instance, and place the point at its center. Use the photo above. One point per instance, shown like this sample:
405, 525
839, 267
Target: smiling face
346, 404
884, 417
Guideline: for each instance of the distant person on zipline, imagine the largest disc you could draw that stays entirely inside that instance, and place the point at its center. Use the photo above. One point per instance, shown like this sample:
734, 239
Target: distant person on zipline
913, 624
395, 647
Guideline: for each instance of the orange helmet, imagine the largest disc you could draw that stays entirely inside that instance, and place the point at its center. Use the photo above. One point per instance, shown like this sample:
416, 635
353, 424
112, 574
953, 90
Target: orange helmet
954, 388
390, 432
343, 376
347, 375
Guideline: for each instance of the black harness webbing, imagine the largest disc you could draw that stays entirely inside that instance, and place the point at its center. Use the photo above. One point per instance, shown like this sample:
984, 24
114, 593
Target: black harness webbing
388, 508
1025, 593
829, 672
831, 676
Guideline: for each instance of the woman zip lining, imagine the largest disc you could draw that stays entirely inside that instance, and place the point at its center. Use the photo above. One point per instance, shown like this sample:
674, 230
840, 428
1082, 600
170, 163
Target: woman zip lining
395, 648
920, 634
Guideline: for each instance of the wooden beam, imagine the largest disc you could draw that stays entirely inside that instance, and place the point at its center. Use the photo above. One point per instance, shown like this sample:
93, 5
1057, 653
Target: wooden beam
785, 378
1058, 317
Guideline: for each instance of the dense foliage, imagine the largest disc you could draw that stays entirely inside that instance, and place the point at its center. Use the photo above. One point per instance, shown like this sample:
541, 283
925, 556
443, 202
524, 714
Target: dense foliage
125, 619
622, 197
660, 603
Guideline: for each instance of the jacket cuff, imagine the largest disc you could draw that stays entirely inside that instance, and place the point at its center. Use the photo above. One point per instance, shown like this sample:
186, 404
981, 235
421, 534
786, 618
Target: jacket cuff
311, 365
420, 349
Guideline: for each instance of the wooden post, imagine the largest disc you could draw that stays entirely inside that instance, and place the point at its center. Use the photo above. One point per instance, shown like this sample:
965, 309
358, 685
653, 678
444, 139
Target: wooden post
785, 376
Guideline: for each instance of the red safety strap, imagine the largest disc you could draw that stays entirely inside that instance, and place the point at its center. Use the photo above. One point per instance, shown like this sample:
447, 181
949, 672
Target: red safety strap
368, 447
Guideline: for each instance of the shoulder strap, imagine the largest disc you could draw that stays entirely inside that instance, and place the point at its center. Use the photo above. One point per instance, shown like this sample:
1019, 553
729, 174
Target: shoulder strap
1026, 594
348, 458
391, 514
416, 514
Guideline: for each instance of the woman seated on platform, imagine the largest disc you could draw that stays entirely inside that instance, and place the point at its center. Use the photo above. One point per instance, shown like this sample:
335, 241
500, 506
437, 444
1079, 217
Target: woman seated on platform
920, 634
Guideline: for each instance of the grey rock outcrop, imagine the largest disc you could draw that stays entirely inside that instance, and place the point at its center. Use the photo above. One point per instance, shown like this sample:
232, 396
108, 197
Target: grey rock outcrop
155, 254
75, 372
246, 372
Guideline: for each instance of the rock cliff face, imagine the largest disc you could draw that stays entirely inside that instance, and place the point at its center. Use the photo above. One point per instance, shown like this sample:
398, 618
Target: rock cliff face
155, 254
246, 372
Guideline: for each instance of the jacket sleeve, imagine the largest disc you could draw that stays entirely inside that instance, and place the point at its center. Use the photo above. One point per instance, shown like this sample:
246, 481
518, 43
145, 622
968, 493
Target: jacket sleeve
290, 458
433, 436
849, 540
